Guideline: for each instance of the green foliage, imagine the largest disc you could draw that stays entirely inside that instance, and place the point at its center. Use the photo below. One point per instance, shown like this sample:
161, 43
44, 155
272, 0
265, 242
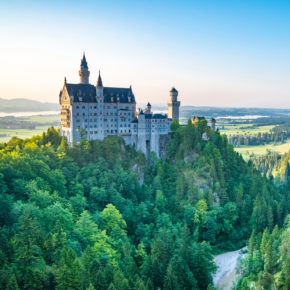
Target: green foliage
268, 263
99, 216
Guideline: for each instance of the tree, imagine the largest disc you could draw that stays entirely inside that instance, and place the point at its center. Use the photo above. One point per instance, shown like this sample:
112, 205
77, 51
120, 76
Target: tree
67, 270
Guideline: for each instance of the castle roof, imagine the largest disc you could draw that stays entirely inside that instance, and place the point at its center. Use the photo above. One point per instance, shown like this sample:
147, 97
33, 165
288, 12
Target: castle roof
121, 95
197, 118
155, 116
99, 82
159, 116
84, 62
87, 93
173, 90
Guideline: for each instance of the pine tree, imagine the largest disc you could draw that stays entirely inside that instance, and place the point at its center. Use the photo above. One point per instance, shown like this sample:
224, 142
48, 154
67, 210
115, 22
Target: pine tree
67, 271
265, 241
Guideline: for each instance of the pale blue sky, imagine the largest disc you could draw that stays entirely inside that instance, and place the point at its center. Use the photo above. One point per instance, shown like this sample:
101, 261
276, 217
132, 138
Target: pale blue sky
216, 53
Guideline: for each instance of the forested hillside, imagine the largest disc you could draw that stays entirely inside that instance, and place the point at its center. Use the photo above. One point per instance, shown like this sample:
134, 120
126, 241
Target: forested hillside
268, 264
100, 216
274, 165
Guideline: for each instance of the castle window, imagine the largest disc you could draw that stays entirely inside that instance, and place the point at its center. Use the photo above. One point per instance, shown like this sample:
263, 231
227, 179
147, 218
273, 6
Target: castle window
84, 107
77, 107
78, 114
96, 132
84, 114
95, 107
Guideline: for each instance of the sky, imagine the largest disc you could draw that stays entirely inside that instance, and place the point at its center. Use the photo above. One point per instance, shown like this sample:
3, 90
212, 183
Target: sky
215, 52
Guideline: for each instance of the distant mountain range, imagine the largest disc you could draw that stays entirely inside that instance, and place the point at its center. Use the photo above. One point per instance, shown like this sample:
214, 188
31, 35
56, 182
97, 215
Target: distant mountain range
26, 105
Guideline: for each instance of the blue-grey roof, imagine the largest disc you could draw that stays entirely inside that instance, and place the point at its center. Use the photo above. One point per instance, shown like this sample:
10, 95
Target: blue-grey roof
173, 90
198, 118
121, 95
135, 121
86, 91
84, 62
155, 116
88, 94
99, 82
159, 116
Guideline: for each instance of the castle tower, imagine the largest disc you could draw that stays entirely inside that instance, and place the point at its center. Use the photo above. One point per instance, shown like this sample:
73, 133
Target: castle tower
84, 72
99, 86
148, 109
213, 124
173, 105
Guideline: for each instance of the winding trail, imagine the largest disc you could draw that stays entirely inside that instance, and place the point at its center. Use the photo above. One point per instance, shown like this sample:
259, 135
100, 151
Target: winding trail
226, 273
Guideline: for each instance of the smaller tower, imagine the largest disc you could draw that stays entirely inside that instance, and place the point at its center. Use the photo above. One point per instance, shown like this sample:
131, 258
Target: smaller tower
213, 124
173, 105
148, 109
99, 86
84, 72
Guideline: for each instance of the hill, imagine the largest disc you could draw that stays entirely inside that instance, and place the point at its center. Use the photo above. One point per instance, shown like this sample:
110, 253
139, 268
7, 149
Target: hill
25, 105
99, 215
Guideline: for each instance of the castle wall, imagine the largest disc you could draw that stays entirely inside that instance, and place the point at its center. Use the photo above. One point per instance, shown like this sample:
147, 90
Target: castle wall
94, 112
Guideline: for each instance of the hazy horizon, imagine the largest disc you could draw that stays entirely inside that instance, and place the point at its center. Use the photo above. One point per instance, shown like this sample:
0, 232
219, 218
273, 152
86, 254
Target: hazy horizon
217, 54
165, 105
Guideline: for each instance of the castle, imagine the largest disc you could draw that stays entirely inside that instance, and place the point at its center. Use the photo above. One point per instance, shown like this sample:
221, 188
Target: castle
95, 112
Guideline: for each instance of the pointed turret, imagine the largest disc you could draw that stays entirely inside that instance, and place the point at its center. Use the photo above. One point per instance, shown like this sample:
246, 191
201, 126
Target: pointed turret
84, 61
148, 109
99, 82
84, 72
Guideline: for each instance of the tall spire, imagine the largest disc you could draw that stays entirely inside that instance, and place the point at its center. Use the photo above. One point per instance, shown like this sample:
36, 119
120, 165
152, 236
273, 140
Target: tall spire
84, 61
99, 82
84, 72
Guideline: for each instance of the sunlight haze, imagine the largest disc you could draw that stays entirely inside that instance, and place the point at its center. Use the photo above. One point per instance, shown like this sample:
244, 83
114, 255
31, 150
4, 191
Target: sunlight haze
216, 53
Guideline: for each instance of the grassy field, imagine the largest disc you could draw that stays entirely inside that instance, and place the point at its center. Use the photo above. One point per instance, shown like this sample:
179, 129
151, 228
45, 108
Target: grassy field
248, 151
252, 129
21, 133
43, 121
241, 129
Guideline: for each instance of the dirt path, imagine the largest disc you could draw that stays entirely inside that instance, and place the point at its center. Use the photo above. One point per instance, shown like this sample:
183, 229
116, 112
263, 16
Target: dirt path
226, 272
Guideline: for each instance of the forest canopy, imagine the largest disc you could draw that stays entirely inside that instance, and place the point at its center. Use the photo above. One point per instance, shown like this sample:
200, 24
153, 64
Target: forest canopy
99, 215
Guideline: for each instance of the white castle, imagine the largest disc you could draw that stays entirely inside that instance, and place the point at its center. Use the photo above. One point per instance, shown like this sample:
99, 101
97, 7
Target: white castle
95, 112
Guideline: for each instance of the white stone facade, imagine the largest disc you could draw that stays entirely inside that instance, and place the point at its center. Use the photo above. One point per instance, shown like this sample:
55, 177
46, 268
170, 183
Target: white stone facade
95, 112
